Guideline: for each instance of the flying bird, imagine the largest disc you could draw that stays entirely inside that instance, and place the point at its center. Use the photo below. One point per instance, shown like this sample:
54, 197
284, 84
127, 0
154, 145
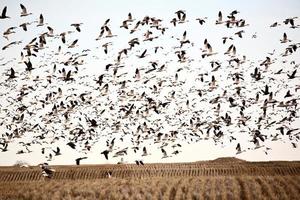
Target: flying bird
3, 14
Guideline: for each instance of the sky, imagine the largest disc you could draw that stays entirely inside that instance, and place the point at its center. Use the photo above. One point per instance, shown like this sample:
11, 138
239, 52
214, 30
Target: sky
92, 14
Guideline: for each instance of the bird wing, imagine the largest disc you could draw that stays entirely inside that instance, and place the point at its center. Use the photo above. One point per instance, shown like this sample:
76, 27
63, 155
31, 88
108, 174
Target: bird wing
41, 19
220, 16
74, 42
144, 53
4, 11
284, 36
23, 9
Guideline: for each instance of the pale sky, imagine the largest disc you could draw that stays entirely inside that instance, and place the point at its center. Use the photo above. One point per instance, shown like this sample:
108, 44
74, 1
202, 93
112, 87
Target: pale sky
60, 14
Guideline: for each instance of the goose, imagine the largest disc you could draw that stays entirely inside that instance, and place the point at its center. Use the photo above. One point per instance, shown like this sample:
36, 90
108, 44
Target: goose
143, 55
220, 18
41, 21
165, 155
73, 44
292, 75
109, 33
12, 73
24, 11
239, 149
201, 20
77, 160
285, 39
24, 26
239, 33
57, 152
8, 32
145, 153
77, 26
3, 14
72, 145
10, 44
105, 153
4, 148
275, 24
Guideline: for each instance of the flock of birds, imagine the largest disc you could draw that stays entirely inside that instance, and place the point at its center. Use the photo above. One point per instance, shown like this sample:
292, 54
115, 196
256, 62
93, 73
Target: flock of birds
167, 104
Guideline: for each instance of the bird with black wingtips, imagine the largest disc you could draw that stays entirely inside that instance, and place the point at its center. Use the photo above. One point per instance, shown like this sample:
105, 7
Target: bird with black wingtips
24, 11
77, 26
285, 39
41, 20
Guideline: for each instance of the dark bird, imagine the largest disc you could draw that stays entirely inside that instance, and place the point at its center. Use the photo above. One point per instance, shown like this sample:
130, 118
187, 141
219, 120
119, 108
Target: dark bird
105, 153
143, 54
12, 74
164, 153
3, 15
201, 21
79, 159
238, 148
292, 75
71, 144
145, 153
4, 148
57, 152
72, 45
28, 65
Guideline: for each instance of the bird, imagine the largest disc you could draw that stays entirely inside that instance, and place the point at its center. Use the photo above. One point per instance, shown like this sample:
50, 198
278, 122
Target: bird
165, 155
105, 153
10, 44
72, 145
275, 24
41, 20
143, 54
77, 26
285, 39
24, 26
220, 18
145, 153
239, 33
12, 73
3, 14
57, 152
4, 148
28, 65
77, 160
238, 148
73, 44
201, 20
24, 11
9, 31
292, 75
47, 172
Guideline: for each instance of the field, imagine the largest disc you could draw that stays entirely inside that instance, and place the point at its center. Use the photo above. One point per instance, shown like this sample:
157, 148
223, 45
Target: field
224, 178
